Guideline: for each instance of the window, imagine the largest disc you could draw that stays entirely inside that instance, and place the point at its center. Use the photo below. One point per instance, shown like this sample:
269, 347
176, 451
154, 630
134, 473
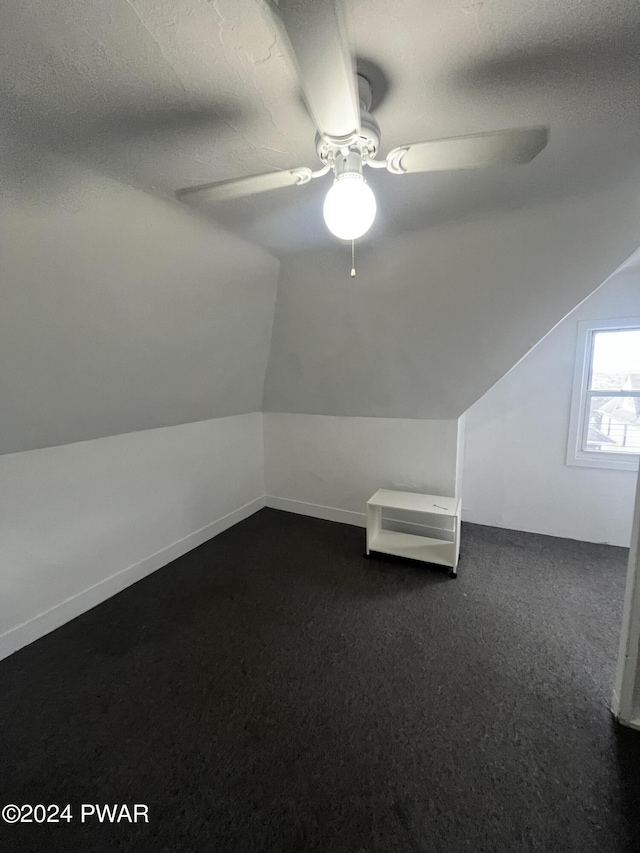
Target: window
604, 429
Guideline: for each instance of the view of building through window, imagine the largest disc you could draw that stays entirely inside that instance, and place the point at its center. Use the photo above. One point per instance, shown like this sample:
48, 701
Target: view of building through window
614, 417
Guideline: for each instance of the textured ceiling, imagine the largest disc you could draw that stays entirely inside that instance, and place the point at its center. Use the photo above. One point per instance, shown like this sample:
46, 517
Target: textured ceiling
166, 93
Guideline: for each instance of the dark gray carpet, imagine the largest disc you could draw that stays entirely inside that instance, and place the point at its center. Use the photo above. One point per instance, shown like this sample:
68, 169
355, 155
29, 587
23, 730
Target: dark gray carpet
275, 691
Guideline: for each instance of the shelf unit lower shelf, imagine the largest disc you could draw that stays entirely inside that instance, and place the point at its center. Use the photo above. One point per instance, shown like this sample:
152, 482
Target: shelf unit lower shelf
422, 548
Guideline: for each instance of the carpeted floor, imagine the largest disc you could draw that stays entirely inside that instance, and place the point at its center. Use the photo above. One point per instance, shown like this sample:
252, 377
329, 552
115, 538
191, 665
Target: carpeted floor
275, 691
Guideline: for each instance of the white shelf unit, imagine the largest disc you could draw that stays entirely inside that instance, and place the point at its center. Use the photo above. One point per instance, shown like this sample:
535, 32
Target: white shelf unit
444, 552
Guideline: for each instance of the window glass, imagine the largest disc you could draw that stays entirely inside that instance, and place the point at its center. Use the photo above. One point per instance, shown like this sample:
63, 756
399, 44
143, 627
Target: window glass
615, 359
604, 424
613, 424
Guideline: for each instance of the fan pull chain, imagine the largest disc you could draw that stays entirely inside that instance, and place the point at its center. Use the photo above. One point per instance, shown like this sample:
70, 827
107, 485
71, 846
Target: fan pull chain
353, 260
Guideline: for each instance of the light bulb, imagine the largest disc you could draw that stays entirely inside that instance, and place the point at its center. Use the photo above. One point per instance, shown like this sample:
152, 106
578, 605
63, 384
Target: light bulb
350, 207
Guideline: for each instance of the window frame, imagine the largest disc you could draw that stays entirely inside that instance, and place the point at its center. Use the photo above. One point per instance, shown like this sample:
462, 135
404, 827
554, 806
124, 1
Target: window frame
578, 420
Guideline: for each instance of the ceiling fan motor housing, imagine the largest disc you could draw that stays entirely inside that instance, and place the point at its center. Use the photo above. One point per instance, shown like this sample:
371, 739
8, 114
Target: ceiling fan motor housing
366, 142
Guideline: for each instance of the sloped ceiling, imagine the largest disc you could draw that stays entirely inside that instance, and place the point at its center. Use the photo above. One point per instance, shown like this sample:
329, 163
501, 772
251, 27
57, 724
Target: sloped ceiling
433, 319
119, 311
150, 314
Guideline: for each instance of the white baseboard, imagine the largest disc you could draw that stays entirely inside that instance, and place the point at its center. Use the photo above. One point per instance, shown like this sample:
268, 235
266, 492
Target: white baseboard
615, 704
21, 635
633, 723
630, 724
328, 513
344, 516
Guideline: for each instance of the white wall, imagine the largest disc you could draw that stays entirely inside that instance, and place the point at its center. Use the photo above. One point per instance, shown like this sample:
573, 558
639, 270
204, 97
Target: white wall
515, 473
80, 522
329, 466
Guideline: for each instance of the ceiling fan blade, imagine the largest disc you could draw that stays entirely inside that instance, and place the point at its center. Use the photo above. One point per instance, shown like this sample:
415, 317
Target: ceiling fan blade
237, 188
317, 37
501, 148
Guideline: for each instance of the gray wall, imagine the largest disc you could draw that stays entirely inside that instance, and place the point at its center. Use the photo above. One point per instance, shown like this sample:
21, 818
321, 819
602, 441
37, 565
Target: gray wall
120, 311
433, 319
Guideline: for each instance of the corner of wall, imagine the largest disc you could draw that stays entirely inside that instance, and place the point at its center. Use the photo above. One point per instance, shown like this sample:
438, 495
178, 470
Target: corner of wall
460, 451
276, 297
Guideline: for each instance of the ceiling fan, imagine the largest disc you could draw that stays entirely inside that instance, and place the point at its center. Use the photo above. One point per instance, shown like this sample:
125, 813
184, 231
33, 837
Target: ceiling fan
348, 137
